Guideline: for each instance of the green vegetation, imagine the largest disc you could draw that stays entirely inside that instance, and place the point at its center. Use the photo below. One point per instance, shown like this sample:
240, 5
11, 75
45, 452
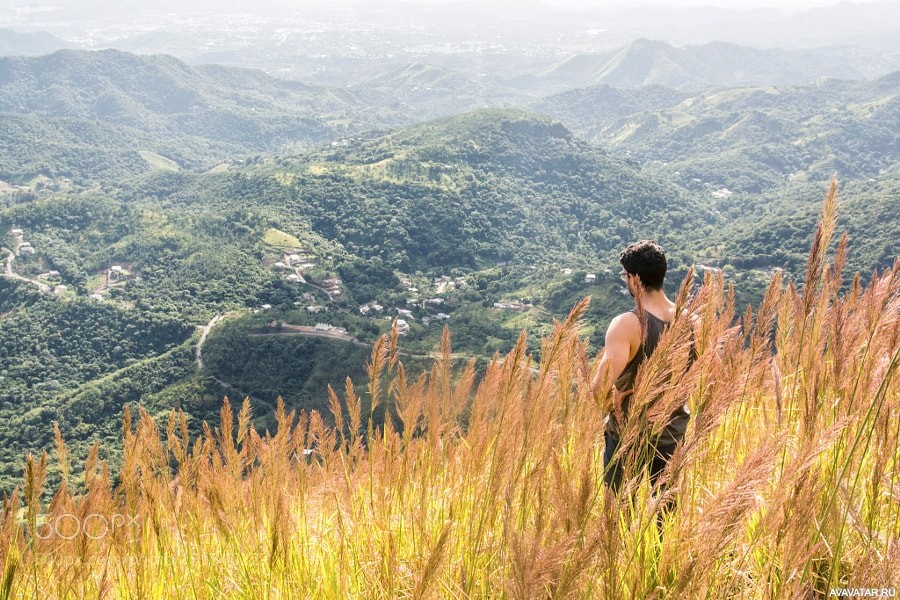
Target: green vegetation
76, 362
759, 157
281, 240
159, 162
492, 487
487, 222
195, 117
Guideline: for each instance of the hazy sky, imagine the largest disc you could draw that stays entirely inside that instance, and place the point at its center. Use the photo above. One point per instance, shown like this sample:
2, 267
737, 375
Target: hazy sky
785, 5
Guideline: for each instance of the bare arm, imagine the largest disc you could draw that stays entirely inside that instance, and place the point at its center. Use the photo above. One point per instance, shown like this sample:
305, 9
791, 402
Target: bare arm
623, 339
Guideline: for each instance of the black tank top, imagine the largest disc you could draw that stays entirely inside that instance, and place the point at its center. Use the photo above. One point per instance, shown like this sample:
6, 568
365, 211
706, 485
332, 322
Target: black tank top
674, 430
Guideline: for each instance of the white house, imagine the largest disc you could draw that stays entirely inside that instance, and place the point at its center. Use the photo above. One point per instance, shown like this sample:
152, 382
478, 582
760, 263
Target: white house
402, 327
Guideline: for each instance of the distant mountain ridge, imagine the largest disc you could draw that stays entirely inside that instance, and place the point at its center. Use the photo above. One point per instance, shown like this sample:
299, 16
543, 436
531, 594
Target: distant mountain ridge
712, 65
17, 43
424, 91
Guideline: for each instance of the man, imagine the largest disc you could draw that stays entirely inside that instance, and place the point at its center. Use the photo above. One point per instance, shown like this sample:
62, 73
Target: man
627, 347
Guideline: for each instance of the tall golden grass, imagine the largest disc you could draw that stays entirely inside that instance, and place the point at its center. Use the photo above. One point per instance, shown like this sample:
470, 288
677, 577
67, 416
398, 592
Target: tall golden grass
787, 485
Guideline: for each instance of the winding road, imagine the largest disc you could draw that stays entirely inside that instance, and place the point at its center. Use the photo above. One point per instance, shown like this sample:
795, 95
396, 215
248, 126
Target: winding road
10, 274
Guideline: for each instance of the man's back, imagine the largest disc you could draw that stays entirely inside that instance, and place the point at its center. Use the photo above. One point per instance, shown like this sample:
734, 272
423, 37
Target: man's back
628, 344
624, 383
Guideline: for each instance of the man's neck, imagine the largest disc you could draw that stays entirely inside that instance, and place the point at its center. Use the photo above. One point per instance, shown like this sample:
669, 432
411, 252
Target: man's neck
656, 302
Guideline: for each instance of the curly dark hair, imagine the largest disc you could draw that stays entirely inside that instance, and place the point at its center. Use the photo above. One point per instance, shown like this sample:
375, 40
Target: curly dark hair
647, 260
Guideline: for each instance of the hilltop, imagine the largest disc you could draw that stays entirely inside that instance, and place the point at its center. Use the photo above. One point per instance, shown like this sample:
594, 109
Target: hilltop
488, 186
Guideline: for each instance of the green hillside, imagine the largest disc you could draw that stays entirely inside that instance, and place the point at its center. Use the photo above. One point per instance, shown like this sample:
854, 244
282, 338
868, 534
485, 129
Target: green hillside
760, 157
475, 189
469, 211
82, 115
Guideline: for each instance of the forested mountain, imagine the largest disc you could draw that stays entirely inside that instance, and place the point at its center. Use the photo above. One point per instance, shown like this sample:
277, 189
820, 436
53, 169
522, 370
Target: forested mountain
86, 114
761, 155
484, 187
172, 233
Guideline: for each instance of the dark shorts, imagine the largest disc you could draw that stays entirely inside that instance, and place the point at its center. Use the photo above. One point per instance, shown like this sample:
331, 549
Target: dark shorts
654, 457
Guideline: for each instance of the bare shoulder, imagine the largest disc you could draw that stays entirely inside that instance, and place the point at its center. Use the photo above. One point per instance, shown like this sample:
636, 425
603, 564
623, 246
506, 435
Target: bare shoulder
624, 325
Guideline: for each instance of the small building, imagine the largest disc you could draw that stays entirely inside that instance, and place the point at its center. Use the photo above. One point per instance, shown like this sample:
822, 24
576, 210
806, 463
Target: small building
365, 309
590, 278
405, 313
510, 306
16, 233
266, 306
280, 265
314, 309
442, 316
402, 327
294, 277
96, 297
26, 249
435, 301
